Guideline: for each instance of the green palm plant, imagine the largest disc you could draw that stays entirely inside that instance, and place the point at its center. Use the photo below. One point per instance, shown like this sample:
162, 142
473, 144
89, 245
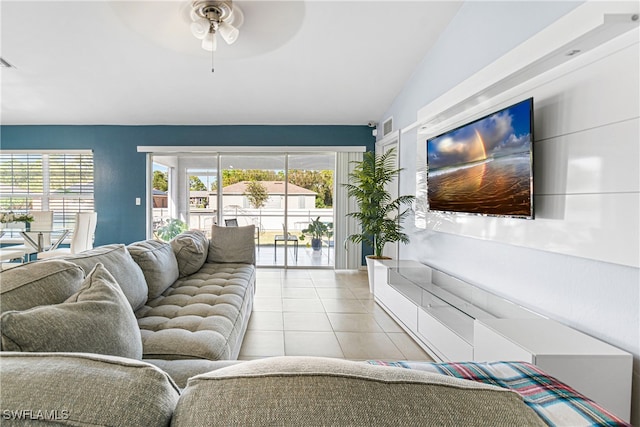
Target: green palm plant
379, 215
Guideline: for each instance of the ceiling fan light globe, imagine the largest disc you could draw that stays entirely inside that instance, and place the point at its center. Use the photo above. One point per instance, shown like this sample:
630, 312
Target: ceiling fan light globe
228, 32
194, 15
200, 28
209, 42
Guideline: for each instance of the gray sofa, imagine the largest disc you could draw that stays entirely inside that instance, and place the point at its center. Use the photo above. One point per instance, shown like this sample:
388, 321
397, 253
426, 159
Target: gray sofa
79, 389
183, 305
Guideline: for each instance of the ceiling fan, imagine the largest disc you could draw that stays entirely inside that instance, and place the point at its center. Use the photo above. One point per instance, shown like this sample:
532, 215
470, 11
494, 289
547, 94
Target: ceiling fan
210, 17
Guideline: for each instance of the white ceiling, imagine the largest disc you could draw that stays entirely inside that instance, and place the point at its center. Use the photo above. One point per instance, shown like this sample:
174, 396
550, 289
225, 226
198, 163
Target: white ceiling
295, 62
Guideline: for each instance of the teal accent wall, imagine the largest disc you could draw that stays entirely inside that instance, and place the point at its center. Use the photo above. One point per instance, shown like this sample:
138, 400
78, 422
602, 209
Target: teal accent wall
120, 171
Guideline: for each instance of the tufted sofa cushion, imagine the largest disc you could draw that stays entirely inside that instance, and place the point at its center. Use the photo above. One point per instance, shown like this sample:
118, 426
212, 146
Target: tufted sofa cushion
202, 316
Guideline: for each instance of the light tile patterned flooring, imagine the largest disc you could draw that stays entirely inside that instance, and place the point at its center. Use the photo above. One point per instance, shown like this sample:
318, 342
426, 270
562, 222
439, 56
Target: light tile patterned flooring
322, 313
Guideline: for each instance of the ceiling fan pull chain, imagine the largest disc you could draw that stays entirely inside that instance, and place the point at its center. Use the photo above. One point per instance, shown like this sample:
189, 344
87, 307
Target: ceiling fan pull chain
212, 69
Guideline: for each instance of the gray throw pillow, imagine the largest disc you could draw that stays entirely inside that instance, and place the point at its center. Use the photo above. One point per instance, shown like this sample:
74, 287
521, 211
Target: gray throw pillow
75, 389
118, 261
38, 283
191, 249
232, 245
158, 264
96, 319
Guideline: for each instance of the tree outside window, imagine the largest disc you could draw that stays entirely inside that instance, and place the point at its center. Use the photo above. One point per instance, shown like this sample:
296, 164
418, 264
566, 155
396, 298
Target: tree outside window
257, 194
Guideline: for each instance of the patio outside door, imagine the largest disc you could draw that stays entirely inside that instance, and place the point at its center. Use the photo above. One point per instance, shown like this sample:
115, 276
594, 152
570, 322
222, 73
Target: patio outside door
310, 208
253, 192
287, 197
281, 194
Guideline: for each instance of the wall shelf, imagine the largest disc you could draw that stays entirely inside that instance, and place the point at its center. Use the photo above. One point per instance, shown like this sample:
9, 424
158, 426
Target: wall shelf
582, 30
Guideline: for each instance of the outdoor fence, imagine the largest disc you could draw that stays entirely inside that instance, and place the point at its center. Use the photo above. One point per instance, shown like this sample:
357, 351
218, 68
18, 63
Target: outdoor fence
269, 221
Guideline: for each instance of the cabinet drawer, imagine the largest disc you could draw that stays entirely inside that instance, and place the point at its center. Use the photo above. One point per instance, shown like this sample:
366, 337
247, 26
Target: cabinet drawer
489, 346
399, 305
448, 343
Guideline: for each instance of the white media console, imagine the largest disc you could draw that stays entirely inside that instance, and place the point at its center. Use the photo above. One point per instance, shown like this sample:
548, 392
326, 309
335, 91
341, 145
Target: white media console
456, 321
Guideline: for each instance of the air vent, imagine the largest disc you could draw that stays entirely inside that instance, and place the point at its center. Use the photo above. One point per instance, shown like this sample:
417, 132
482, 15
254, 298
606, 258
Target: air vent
387, 126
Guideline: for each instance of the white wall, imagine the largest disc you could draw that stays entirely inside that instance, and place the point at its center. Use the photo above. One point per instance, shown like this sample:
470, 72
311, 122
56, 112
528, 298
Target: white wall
586, 178
587, 146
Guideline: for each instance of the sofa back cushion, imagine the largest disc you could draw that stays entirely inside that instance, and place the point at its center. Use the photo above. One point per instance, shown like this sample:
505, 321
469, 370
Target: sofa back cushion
96, 319
158, 264
312, 391
38, 283
191, 249
232, 245
86, 389
117, 260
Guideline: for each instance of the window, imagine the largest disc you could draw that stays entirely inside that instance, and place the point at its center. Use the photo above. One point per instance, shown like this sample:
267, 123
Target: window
60, 181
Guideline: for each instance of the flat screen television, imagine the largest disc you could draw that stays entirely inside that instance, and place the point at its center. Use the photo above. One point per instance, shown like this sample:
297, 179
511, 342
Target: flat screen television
484, 167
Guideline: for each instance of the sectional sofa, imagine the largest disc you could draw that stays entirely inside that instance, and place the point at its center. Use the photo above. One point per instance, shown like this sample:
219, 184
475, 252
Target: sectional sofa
183, 305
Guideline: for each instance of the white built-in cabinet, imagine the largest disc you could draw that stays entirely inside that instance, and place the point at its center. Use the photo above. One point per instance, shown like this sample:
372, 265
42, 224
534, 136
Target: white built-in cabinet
456, 321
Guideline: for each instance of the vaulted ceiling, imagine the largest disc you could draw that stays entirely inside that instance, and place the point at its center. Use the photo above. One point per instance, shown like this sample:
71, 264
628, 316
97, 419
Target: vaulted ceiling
136, 62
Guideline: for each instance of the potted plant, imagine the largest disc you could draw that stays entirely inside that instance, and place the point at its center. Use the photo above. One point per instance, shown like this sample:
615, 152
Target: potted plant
316, 229
378, 213
171, 229
10, 217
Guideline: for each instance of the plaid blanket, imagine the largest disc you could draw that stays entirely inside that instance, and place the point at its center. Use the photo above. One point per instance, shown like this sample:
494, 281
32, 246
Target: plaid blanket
555, 402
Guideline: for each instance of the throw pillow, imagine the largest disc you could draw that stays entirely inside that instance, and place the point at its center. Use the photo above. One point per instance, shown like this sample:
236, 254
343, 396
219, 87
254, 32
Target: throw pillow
38, 283
96, 319
158, 264
118, 261
232, 245
191, 249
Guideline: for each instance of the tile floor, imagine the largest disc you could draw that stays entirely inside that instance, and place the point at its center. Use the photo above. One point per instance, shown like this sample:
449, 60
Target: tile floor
307, 257
322, 313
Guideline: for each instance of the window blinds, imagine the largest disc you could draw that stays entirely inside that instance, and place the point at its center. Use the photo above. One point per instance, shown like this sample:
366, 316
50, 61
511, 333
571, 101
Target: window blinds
58, 181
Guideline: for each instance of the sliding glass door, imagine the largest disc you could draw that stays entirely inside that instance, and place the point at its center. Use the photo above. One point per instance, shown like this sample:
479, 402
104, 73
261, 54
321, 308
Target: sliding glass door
253, 192
310, 214
282, 194
288, 197
183, 194
202, 183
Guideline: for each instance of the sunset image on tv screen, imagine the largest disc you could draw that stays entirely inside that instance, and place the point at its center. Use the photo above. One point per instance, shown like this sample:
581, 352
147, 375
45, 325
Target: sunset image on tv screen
484, 167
